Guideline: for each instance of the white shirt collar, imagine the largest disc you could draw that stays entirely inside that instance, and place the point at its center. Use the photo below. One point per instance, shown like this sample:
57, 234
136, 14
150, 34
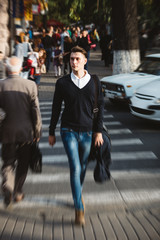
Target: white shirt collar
80, 82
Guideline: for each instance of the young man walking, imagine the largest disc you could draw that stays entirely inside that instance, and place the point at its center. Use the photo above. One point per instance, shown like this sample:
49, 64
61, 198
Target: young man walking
77, 90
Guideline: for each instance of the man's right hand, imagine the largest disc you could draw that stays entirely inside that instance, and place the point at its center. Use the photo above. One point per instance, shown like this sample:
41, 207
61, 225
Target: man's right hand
51, 140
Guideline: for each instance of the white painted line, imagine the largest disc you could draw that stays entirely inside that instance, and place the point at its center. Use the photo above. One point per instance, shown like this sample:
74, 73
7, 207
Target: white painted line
133, 155
45, 107
116, 156
129, 141
46, 118
111, 132
46, 113
119, 142
46, 134
45, 103
44, 126
50, 112
93, 198
119, 131
63, 177
108, 116
43, 145
51, 159
112, 123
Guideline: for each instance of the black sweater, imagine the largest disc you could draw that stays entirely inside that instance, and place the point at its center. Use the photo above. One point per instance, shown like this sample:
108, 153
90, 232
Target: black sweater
78, 106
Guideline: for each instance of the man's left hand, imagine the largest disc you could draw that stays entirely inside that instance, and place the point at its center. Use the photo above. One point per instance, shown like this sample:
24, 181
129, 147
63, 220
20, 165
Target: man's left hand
98, 139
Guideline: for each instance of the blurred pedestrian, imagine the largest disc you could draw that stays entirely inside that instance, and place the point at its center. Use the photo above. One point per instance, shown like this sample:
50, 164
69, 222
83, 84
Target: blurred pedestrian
32, 62
48, 43
106, 48
57, 60
56, 36
83, 42
77, 91
68, 44
26, 48
40, 68
143, 44
21, 126
18, 48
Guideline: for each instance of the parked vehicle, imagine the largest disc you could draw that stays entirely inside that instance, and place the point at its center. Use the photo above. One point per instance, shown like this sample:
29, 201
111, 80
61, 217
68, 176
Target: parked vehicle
145, 102
122, 86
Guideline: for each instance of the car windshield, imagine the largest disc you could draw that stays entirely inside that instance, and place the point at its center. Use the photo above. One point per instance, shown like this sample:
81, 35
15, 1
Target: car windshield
150, 66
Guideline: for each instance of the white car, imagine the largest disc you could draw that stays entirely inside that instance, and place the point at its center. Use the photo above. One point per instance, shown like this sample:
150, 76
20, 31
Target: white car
145, 103
122, 86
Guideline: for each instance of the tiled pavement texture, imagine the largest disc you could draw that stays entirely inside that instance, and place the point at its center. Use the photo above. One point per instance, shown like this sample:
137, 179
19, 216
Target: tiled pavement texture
119, 225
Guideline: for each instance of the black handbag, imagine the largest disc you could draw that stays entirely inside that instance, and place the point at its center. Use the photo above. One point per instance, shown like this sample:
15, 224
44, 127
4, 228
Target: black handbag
101, 171
101, 154
36, 158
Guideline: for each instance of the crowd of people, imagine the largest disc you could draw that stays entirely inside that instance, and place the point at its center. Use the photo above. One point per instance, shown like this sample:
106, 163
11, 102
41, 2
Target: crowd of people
57, 44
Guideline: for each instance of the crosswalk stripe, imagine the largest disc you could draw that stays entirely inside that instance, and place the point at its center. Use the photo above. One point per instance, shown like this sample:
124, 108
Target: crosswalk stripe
45, 107
49, 113
119, 131
45, 103
119, 142
110, 131
116, 175
129, 141
93, 198
133, 155
116, 156
114, 123
46, 113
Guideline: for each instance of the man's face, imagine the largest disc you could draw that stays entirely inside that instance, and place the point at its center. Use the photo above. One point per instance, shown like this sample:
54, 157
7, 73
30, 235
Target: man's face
77, 61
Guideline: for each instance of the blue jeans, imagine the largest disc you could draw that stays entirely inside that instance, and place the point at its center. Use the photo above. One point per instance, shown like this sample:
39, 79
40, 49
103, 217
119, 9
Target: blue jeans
77, 146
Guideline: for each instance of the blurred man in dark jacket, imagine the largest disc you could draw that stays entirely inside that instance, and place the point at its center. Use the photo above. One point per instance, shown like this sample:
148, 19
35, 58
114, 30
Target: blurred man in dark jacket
21, 126
48, 43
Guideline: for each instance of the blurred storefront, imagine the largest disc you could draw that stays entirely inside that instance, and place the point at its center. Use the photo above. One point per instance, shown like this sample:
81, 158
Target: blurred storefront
28, 13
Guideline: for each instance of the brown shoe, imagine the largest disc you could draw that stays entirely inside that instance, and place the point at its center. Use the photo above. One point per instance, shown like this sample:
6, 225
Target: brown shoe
79, 217
18, 197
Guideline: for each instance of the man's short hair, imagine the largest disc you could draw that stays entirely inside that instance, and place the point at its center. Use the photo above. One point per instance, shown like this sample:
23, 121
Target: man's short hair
79, 49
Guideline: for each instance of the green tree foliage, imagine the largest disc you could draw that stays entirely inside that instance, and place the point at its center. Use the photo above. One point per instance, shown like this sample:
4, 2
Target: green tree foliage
99, 11
149, 14
66, 11
69, 11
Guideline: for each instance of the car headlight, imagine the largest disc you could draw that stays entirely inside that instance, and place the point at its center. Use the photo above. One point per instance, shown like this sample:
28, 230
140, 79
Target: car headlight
120, 88
157, 101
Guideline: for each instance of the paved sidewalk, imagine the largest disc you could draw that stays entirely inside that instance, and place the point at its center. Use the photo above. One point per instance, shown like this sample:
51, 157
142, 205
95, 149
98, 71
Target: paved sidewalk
123, 217
110, 225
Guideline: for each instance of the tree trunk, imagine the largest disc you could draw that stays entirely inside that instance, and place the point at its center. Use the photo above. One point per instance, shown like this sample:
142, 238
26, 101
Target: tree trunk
4, 32
125, 35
